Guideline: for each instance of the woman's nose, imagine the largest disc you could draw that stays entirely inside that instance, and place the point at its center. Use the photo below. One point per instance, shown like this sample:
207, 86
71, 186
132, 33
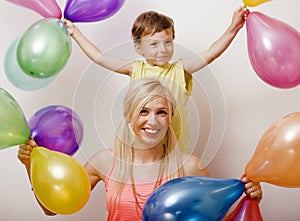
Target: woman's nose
152, 120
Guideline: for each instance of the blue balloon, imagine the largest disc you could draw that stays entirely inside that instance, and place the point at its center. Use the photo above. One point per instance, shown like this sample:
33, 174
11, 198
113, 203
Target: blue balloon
16, 75
192, 198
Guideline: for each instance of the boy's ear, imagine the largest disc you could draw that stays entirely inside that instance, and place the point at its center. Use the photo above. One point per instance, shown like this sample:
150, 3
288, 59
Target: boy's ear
138, 48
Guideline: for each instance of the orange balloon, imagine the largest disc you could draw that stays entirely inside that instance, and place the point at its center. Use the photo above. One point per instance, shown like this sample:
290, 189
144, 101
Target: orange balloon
252, 3
276, 159
60, 183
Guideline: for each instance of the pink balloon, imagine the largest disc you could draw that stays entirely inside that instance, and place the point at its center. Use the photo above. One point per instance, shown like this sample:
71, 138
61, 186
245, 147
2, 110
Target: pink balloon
46, 8
274, 50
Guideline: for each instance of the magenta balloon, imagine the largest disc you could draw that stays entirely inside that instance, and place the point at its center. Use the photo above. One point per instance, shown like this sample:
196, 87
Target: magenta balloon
46, 8
274, 50
57, 128
91, 10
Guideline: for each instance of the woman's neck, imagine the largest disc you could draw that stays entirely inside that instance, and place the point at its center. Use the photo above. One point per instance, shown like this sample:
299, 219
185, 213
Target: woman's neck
148, 156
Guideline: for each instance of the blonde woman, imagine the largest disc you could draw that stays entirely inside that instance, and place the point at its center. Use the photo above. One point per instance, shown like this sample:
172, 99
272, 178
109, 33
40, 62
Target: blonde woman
145, 154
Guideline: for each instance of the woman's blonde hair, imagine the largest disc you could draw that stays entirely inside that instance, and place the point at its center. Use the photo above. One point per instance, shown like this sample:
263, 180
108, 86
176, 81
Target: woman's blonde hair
141, 92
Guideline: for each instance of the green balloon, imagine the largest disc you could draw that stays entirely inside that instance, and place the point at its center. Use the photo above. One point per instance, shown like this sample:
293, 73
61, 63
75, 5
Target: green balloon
44, 49
14, 129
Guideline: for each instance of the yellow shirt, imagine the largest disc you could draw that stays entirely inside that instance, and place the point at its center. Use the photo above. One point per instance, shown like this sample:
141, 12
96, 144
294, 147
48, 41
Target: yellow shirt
172, 75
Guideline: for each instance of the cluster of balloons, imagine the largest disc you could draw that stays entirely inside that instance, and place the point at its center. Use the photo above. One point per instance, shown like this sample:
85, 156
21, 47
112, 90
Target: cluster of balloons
31, 62
75, 10
273, 49
60, 183
33, 59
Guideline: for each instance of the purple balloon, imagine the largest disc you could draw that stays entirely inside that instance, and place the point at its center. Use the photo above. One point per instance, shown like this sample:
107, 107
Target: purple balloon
274, 50
91, 10
57, 128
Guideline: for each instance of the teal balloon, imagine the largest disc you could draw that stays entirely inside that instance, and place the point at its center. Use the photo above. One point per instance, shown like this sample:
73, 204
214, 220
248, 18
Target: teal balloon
44, 48
14, 129
17, 76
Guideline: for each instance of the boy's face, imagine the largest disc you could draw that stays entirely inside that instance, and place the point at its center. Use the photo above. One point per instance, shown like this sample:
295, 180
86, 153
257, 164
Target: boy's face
157, 49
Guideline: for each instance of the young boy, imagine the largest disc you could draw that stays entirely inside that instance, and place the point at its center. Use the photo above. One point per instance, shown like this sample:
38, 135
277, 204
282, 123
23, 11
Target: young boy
153, 37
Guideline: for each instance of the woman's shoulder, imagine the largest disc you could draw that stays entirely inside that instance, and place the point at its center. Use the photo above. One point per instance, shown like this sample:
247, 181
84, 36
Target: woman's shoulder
192, 166
102, 161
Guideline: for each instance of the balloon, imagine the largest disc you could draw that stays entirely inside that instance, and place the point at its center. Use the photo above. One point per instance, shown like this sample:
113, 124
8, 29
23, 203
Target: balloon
246, 210
91, 10
192, 198
46, 8
44, 48
276, 159
59, 182
57, 128
14, 128
252, 3
15, 74
274, 50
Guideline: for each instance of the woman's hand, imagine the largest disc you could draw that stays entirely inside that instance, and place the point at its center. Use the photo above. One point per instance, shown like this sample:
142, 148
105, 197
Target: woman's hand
252, 189
25, 151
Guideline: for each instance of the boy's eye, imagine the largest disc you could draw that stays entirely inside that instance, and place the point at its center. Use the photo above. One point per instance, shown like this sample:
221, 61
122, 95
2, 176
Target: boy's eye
169, 42
153, 44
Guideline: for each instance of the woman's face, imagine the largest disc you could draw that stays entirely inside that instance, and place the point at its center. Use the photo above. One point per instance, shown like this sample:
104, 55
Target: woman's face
151, 125
157, 49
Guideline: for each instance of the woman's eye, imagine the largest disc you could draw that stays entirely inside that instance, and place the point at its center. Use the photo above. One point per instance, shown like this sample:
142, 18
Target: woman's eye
143, 112
162, 112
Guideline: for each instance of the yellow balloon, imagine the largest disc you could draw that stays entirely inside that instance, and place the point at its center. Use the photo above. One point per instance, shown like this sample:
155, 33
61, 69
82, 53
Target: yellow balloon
276, 159
252, 3
60, 183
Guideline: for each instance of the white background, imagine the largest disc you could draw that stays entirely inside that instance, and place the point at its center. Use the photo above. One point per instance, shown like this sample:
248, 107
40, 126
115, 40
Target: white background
250, 105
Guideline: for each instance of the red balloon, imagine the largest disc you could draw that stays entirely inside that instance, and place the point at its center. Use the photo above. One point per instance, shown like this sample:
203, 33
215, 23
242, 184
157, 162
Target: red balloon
274, 50
247, 210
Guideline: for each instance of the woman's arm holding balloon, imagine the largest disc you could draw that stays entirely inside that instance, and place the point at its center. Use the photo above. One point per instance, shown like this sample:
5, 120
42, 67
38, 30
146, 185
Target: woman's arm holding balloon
252, 189
24, 153
24, 157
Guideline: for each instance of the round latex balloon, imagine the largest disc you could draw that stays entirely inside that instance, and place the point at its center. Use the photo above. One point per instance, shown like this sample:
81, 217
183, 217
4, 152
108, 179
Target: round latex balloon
14, 129
16, 75
252, 3
46, 8
274, 50
57, 128
247, 210
91, 10
192, 198
60, 183
276, 159
44, 49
